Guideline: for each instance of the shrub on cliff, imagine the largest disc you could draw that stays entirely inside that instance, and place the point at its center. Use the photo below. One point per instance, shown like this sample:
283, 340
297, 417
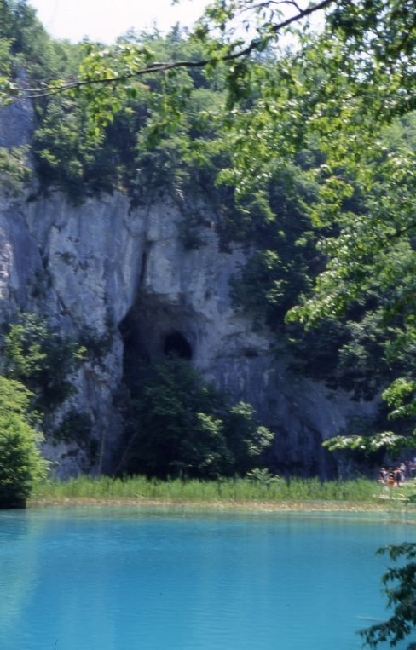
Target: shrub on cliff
42, 359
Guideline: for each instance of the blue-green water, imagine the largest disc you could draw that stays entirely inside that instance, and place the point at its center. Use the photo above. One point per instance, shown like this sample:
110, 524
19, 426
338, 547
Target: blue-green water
118, 579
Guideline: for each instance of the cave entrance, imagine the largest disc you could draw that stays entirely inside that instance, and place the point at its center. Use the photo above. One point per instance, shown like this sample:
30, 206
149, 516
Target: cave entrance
152, 330
176, 343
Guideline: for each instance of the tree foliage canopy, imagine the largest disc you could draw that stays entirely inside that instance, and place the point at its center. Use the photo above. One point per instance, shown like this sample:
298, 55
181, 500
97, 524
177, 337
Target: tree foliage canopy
21, 464
179, 424
399, 585
36, 355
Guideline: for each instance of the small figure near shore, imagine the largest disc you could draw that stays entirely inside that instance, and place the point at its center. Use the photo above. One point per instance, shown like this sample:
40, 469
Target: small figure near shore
398, 477
391, 480
382, 475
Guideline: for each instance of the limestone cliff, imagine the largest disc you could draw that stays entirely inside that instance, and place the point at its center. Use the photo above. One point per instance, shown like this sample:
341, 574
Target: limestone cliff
125, 275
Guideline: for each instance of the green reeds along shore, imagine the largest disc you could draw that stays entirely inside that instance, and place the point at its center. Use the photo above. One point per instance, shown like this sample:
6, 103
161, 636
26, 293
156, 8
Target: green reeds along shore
237, 490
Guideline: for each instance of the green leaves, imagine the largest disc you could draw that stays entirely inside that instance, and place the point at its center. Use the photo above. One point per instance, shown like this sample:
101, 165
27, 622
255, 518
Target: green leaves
36, 355
21, 464
370, 267
399, 586
178, 423
387, 440
401, 397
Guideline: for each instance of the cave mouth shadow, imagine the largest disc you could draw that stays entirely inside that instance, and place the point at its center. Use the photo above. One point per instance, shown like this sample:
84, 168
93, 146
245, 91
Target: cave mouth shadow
176, 343
150, 335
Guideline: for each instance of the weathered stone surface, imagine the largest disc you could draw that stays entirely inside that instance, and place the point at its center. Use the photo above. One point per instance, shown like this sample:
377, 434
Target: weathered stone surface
16, 122
125, 275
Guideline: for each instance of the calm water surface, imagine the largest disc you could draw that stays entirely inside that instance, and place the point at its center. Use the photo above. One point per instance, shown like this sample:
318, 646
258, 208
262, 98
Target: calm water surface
118, 579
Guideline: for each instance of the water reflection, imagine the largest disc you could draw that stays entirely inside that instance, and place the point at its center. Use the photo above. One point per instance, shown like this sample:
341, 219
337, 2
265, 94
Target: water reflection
18, 567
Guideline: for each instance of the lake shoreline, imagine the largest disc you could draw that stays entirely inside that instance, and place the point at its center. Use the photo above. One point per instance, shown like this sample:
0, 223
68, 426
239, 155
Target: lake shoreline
222, 505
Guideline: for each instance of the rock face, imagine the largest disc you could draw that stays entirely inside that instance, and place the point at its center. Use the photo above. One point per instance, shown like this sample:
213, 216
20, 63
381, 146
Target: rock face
125, 276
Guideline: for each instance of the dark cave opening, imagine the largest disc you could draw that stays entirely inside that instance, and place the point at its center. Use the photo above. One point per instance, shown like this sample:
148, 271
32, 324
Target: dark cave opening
176, 343
147, 337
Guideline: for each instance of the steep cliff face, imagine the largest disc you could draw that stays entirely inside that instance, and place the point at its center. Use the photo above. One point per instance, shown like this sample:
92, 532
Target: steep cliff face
125, 276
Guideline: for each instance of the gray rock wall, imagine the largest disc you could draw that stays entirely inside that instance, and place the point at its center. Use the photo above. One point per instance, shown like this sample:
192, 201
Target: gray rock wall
125, 275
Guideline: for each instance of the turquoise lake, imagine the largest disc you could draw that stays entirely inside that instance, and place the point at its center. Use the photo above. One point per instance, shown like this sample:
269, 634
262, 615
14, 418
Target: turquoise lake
122, 579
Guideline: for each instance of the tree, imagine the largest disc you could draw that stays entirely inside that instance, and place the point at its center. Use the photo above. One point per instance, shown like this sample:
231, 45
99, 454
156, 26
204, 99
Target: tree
374, 253
21, 464
181, 425
400, 588
367, 79
39, 357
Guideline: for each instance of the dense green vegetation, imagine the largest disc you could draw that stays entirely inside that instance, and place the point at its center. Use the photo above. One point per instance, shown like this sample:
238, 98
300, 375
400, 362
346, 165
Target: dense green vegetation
21, 464
178, 424
36, 362
40, 358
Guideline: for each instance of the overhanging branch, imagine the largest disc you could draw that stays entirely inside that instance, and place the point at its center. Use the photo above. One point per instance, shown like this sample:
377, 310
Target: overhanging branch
160, 67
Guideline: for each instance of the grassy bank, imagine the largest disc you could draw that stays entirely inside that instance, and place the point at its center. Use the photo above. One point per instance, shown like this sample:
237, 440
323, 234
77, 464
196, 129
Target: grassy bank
139, 488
